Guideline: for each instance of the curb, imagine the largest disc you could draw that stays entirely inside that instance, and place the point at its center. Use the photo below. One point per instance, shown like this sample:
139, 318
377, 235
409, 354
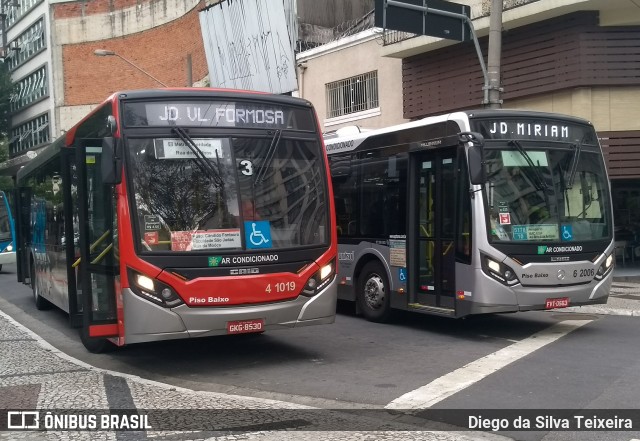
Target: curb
589, 309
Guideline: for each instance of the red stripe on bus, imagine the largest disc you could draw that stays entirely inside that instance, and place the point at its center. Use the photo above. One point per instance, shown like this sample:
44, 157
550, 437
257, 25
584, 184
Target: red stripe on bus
103, 330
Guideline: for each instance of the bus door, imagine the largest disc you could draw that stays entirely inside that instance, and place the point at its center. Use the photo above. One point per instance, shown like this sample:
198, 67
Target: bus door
98, 263
23, 232
432, 264
71, 242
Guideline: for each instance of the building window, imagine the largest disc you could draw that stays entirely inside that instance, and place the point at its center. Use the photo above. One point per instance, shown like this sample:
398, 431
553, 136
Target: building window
32, 133
27, 45
352, 95
20, 8
29, 89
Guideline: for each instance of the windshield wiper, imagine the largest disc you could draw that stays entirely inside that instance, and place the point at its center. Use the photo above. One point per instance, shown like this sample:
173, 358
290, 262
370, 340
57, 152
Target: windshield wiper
539, 180
574, 163
201, 160
268, 157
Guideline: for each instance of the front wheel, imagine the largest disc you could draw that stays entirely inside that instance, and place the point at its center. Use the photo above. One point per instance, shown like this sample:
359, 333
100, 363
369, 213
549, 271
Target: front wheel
373, 293
95, 345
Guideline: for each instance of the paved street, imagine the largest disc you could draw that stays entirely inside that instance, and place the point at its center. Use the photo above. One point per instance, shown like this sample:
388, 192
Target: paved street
36, 375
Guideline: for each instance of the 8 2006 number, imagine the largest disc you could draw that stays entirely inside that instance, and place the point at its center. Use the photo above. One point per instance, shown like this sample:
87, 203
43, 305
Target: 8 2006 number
584, 272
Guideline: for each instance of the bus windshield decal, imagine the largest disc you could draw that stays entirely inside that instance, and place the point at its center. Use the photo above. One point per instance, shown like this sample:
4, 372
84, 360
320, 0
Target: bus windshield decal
177, 149
205, 239
535, 232
217, 114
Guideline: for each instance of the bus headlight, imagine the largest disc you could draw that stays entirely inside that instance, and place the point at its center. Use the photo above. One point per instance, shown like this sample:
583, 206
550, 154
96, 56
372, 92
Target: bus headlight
153, 290
8, 249
606, 266
320, 279
499, 271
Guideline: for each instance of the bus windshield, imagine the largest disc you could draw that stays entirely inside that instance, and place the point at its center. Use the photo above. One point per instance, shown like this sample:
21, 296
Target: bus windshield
241, 193
542, 193
5, 220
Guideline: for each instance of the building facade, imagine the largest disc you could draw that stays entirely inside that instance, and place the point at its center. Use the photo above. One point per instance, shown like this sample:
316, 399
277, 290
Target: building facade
152, 43
577, 57
58, 77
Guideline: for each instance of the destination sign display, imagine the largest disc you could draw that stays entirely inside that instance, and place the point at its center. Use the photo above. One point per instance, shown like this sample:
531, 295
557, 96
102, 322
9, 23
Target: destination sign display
217, 114
542, 130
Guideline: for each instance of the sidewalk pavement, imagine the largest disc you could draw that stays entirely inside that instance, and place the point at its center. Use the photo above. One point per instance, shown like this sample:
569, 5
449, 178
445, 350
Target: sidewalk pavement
36, 376
624, 297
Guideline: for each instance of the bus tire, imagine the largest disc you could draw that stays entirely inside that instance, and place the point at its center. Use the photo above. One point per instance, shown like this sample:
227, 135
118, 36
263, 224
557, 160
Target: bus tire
373, 293
95, 345
41, 303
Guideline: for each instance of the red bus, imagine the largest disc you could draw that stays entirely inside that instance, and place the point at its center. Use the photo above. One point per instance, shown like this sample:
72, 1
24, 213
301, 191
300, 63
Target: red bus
176, 213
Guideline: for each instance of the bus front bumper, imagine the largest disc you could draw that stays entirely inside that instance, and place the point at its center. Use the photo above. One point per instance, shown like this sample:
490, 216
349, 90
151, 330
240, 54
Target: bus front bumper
145, 321
497, 298
9, 257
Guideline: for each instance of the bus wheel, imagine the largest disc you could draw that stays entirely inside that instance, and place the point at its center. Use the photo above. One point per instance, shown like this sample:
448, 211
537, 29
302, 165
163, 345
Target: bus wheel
95, 345
373, 293
41, 303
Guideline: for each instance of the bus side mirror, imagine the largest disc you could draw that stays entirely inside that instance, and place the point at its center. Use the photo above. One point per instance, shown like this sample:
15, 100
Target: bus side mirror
111, 162
477, 170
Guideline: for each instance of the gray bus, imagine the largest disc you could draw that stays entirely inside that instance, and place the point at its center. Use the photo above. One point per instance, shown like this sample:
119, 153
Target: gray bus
472, 212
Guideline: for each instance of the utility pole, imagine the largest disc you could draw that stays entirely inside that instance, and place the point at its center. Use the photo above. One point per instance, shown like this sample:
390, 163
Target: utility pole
494, 55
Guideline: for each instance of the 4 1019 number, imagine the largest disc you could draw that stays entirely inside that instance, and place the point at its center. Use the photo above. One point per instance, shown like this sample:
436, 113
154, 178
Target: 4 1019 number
281, 287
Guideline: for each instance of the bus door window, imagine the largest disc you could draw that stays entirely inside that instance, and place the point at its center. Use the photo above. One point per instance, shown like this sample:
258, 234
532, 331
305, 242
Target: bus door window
436, 229
463, 252
447, 216
75, 240
101, 230
426, 225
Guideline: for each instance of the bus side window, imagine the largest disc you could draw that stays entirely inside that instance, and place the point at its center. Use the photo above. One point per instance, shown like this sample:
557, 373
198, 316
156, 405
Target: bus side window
372, 215
344, 175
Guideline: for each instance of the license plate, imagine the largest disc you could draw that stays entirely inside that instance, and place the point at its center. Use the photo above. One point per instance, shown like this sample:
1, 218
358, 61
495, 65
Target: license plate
561, 302
245, 326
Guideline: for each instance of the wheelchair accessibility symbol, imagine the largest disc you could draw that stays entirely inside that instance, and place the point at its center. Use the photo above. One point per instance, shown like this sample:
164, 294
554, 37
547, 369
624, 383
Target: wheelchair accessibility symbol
402, 274
257, 234
567, 232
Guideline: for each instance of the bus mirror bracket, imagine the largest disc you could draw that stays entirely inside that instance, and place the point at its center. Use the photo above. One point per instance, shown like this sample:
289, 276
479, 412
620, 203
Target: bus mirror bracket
111, 161
477, 170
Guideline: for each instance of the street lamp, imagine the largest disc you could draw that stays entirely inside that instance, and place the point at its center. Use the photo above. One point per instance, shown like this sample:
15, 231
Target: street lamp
107, 53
